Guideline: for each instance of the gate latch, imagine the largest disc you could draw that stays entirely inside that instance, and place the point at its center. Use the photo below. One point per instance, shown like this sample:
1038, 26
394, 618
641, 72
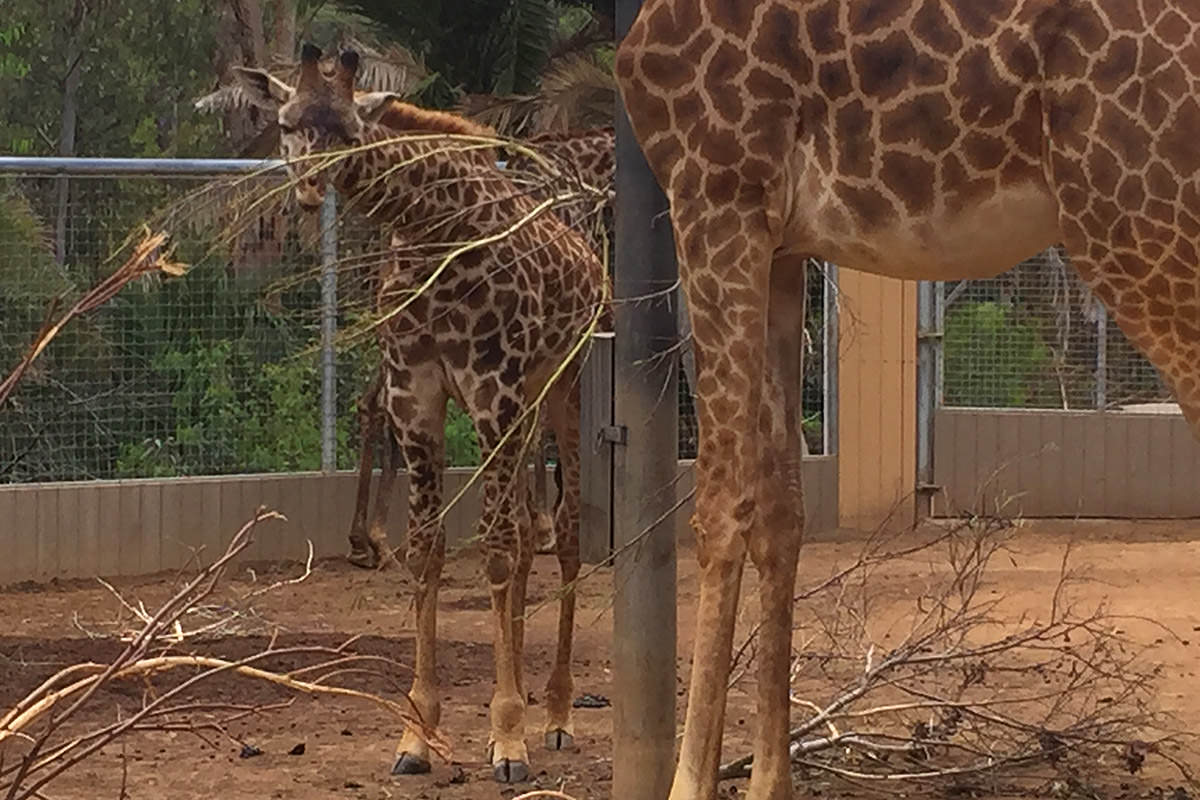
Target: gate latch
614, 434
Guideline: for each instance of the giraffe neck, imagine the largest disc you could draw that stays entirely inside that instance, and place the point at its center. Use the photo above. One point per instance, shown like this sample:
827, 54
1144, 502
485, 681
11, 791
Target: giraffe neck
426, 184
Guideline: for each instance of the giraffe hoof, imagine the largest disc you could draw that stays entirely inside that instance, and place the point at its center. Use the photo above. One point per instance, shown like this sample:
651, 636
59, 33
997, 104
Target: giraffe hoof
558, 739
506, 771
408, 764
363, 558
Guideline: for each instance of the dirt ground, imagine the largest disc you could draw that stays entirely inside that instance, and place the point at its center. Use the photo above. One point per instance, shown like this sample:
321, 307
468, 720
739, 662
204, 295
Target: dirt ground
1144, 569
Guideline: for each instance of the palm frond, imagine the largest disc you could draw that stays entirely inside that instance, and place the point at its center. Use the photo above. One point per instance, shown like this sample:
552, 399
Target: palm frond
575, 92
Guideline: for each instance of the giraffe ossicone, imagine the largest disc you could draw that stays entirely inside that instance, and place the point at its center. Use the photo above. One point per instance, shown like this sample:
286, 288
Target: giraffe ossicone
493, 331
918, 139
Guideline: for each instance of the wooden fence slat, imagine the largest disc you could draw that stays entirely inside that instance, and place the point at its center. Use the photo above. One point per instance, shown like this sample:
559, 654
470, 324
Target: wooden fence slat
109, 499
596, 464
48, 533
25, 523
129, 536
89, 531
150, 547
10, 536
68, 533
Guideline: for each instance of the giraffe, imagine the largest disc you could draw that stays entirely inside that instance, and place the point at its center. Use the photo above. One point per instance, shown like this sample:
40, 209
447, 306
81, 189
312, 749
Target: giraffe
916, 139
489, 332
585, 155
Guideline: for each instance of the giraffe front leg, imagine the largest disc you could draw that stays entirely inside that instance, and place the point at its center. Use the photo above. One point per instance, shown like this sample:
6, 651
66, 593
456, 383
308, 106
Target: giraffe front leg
560, 689
505, 526
729, 328
774, 543
420, 435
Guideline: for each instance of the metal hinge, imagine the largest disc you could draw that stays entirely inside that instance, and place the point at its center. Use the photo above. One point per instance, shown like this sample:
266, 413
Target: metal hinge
614, 434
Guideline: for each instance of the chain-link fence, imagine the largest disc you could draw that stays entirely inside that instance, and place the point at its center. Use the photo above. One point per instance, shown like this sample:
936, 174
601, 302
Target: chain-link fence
218, 372
1035, 337
206, 374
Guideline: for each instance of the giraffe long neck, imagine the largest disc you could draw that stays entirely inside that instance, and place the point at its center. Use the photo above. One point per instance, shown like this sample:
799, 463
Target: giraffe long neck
430, 186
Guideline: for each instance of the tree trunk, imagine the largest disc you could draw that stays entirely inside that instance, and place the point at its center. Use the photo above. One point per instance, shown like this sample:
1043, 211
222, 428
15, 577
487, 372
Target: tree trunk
283, 27
68, 123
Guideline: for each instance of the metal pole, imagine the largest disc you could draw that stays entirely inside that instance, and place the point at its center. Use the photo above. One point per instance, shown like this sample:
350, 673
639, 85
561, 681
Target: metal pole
646, 464
329, 259
1101, 398
928, 344
830, 412
35, 165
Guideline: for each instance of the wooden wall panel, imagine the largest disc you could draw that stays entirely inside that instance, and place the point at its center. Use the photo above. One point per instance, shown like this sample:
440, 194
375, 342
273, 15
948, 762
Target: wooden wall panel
1115, 465
108, 528
877, 400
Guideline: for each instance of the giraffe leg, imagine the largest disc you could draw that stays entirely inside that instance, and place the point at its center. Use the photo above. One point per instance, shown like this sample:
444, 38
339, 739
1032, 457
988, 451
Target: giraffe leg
421, 438
370, 425
728, 308
543, 521
378, 532
505, 528
775, 539
560, 689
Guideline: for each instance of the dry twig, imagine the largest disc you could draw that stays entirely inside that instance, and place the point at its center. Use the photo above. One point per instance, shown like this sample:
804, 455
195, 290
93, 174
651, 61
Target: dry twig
966, 695
36, 728
150, 256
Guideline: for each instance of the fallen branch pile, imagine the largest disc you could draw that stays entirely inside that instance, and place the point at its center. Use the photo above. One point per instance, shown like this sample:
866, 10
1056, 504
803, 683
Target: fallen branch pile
966, 699
50, 730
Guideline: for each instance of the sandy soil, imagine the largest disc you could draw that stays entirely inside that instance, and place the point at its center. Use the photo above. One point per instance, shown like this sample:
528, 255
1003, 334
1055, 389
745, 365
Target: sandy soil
1143, 569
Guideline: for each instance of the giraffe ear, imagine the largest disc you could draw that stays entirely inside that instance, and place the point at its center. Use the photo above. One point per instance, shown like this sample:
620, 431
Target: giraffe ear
262, 89
371, 106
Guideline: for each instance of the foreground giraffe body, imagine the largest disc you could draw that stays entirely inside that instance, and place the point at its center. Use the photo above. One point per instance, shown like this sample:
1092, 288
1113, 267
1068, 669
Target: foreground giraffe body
920, 139
489, 332
586, 156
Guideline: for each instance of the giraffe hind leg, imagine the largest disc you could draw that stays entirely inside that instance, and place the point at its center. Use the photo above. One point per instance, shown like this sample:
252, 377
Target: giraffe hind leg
370, 425
564, 418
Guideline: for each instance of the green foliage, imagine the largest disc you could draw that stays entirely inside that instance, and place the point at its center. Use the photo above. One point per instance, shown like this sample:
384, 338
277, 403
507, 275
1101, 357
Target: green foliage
141, 64
462, 445
991, 358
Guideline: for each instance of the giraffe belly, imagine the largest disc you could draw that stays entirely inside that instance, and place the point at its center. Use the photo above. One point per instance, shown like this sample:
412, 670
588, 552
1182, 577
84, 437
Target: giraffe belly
953, 243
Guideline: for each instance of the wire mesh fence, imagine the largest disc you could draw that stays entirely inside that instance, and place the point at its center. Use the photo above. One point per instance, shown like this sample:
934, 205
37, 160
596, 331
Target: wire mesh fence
217, 372
200, 375
1035, 337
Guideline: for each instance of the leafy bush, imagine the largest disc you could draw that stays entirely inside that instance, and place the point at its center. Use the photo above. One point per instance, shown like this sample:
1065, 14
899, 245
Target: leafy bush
992, 359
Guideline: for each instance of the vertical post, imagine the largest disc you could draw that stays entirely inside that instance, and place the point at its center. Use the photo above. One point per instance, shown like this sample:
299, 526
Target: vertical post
830, 355
929, 337
1101, 394
329, 259
645, 469
596, 458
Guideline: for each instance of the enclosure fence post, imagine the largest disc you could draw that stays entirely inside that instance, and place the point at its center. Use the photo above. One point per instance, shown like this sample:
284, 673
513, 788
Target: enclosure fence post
929, 339
645, 472
829, 297
329, 257
596, 458
1101, 394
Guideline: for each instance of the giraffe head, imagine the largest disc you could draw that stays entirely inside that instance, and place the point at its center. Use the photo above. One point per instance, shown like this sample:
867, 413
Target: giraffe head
320, 114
